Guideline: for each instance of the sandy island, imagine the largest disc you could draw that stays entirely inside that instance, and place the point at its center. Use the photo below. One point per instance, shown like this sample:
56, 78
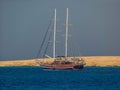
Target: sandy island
90, 61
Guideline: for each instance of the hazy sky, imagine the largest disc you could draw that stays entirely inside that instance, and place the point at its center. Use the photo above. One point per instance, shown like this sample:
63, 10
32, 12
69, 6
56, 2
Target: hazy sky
94, 29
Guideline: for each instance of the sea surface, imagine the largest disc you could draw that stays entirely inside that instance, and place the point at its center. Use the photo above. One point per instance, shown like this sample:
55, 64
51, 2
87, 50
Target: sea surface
35, 78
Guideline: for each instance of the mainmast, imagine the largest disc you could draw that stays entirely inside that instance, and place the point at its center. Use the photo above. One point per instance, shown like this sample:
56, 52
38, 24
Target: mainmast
66, 38
54, 35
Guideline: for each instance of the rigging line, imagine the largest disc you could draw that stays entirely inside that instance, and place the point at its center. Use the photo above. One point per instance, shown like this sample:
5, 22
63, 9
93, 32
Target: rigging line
47, 44
43, 41
78, 48
72, 48
79, 53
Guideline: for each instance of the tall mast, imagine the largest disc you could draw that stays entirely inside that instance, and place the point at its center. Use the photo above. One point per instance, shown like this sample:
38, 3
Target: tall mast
66, 38
54, 35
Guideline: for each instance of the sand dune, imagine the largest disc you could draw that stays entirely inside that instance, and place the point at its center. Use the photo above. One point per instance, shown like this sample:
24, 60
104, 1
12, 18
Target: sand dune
18, 63
102, 60
90, 61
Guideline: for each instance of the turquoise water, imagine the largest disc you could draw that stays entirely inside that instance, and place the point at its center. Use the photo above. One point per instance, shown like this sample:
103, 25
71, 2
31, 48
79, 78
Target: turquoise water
35, 78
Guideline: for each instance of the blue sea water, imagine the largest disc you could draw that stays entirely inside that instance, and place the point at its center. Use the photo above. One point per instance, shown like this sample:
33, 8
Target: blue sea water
35, 78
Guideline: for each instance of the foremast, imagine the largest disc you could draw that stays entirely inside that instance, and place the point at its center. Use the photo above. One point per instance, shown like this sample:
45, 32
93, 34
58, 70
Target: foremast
54, 36
66, 36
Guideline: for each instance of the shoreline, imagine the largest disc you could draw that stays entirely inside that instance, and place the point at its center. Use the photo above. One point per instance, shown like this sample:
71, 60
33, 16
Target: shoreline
40, 66
101, 61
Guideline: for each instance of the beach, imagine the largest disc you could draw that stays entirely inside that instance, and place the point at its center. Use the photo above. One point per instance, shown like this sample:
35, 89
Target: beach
90, 61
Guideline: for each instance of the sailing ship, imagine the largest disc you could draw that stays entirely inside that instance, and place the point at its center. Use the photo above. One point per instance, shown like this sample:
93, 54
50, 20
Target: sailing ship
63, 62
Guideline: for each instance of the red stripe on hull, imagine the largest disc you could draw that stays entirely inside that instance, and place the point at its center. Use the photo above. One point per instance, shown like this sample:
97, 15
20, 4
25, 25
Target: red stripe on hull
70, 66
